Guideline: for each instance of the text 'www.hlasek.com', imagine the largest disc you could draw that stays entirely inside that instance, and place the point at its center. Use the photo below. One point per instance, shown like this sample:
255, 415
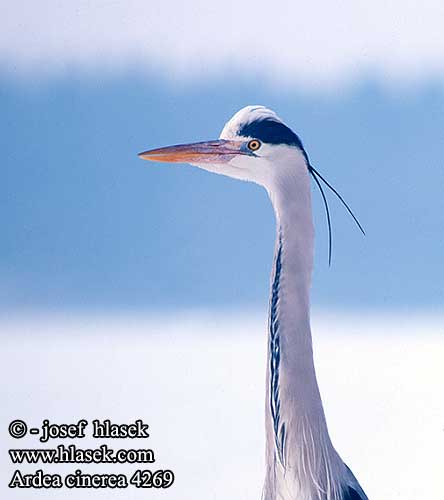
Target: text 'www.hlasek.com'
62, 453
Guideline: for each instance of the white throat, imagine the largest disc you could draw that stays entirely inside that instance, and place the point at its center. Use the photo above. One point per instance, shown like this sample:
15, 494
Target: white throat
301, 461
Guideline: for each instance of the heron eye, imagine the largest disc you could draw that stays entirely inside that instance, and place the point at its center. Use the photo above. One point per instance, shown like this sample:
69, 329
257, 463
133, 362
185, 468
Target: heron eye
254, 145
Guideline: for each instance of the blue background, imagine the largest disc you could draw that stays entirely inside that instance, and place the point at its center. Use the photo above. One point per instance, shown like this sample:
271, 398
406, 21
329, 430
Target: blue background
86, 224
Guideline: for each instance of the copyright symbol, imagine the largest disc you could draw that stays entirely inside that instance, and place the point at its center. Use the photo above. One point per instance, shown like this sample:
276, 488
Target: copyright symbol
18, 429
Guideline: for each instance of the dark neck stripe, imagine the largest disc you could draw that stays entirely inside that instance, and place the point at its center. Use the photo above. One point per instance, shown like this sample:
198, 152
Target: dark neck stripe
272, 132
275, 356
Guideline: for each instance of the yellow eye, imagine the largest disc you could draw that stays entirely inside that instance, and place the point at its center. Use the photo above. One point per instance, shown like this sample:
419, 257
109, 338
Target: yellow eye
254, 145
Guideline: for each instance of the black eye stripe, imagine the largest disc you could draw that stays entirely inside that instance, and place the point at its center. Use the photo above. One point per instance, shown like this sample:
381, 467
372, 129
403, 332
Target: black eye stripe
271, 132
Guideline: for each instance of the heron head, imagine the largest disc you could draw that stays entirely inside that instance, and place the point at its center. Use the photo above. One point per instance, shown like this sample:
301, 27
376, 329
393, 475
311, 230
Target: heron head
254, 145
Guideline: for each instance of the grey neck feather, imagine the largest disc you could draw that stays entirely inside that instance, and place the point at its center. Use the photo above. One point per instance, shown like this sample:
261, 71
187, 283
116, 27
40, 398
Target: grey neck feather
301, 461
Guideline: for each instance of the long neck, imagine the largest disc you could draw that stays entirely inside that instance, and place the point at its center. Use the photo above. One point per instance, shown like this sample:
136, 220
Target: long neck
299, 450
293, 260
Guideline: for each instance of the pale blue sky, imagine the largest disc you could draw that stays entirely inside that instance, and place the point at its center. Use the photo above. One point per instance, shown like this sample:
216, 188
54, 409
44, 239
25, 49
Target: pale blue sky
87, 224
85, 86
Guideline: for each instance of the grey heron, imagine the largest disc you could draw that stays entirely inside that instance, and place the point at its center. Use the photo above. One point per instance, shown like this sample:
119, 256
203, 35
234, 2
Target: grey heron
255, 145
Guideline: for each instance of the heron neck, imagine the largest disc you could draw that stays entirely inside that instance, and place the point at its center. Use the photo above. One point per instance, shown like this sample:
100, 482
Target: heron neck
293, 397
293, 264
295, 240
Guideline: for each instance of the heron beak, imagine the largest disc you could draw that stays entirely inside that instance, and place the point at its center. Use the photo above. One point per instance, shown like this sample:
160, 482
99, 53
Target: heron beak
218, 151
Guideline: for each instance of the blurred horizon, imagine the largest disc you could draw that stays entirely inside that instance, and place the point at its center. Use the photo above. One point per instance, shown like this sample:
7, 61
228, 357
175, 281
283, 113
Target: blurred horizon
314, 44
87, 225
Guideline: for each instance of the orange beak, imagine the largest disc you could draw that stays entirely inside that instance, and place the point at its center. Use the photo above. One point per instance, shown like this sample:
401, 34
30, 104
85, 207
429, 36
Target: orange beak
218, 151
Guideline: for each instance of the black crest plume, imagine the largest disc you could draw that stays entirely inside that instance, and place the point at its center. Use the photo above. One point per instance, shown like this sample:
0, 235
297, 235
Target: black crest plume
318, 178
